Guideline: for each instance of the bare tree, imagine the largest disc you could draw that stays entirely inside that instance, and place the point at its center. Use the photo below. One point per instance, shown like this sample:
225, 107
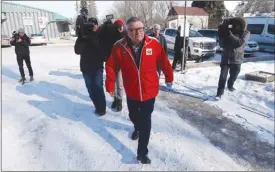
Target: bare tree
254, 7
201, 18
149, 12
83, 3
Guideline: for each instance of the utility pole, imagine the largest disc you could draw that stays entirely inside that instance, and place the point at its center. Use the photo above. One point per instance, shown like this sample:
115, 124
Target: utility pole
76, 7
184, 36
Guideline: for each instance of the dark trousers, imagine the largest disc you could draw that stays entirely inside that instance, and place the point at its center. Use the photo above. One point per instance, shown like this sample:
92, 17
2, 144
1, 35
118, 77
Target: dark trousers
234, 70
27, 59
178, 59
140, 115
94, 84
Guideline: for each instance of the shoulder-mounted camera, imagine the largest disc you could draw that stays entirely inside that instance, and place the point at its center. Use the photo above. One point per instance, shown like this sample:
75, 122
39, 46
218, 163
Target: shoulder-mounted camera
85, 25
15, 35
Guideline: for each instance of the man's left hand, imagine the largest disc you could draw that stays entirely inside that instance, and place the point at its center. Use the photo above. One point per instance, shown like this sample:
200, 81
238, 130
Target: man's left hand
19, 40
169, 86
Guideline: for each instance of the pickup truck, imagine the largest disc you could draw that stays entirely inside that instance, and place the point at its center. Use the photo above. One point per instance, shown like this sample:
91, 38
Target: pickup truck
198, 45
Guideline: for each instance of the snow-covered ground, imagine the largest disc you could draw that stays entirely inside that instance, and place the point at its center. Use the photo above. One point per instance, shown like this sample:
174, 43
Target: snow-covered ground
249, 96
50, 124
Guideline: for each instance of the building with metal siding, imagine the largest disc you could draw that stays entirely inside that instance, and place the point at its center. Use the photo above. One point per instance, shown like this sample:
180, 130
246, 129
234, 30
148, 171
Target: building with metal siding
33, 20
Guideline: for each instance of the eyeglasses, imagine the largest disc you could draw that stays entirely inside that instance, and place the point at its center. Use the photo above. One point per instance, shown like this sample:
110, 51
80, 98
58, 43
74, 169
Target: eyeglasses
141, 29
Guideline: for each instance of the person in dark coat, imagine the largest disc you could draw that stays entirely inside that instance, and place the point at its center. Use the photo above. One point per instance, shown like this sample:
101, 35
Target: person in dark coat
22, 50
178, 50
233, 36
110, 33
161, 39
92, 57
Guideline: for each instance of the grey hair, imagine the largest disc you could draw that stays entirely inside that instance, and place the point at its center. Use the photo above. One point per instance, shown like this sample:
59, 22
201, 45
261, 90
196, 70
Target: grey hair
132, 20
157, 26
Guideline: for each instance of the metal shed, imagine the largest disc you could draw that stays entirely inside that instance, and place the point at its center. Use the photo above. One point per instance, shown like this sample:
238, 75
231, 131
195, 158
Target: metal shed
33, 20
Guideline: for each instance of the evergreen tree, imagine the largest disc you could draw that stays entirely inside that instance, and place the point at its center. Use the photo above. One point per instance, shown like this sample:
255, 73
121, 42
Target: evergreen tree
215, 9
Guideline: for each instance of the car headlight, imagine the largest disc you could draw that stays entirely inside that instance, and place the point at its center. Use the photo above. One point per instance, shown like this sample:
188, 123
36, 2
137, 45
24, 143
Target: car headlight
196, 44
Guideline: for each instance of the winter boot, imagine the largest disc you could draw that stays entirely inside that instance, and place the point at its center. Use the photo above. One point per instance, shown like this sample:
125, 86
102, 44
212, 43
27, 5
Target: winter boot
31, 78
114, 104
23, 79
119, 105
219, 95
100, 113
135, 135
144, 159
231, 89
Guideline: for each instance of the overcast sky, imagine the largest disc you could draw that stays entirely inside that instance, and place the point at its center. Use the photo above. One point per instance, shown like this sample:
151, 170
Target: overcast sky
67, 8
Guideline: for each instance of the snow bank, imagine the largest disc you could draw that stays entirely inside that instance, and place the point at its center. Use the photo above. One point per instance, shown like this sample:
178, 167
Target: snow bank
249, 96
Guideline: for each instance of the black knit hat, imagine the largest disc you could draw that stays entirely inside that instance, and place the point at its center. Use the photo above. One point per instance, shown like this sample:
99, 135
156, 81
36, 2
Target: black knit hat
93, 20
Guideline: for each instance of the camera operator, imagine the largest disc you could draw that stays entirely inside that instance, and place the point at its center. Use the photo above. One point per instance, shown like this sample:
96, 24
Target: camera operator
233, 36
92, 58
21, 42
110, 33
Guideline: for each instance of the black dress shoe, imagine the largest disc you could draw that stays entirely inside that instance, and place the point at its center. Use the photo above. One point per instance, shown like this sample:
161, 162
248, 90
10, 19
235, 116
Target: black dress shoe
144, 159
100, 113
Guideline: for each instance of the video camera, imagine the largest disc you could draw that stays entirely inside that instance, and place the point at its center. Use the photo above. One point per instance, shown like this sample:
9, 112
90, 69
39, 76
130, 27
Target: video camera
227, 23
85, 25
236, 25
15, 35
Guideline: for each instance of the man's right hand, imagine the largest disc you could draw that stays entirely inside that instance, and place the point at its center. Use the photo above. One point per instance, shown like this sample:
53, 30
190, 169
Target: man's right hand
12, 39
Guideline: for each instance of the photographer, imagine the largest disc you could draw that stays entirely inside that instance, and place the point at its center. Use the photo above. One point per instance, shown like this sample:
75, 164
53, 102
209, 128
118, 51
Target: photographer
92, 58
232, 36
21, 42
110, 33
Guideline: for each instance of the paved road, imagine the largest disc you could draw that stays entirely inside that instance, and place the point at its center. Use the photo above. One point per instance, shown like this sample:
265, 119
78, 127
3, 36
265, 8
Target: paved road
240, 144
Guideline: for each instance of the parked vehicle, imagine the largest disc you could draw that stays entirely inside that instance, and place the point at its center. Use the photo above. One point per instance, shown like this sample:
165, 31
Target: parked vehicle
38, 39
211, 33
198, 45
5, 41
149, 33
162, 31
250, 47
262, 30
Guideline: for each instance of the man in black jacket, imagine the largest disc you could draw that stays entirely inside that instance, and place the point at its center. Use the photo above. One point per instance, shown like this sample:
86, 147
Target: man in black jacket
110, 33
178, 50
232, 38
92, 58
161, 39
21, 43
